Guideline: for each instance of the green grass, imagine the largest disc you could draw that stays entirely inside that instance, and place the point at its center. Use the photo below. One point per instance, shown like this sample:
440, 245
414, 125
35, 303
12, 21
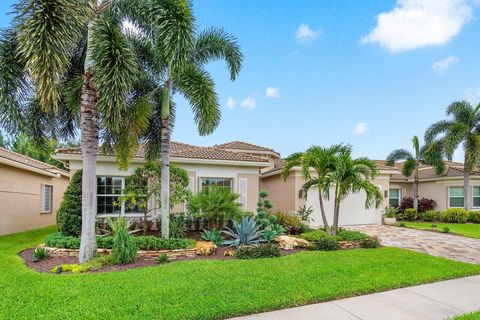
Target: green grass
208, 289
469, 316
467, 230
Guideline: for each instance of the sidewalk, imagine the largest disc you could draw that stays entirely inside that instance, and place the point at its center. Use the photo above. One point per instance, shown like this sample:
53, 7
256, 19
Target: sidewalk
435, 301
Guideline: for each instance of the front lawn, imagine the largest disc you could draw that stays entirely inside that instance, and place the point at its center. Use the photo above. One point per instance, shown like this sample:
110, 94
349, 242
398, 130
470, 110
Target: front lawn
209, 289
468, 230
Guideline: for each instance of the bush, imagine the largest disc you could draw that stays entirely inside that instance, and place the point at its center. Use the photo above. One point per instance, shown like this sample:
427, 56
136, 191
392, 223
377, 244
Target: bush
266, 250
445, 229
69, 215
474, 216
326, 243
431, 216
425, 204
409, 214
313, 235
405, 203
96, 263
124, 248
59, 240
458, 215
351, 236
370, 243
163, 258
287, 219
178, 229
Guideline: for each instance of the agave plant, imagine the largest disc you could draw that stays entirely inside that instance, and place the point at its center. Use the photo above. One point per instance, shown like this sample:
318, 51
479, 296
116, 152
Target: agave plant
246, 232
115, 224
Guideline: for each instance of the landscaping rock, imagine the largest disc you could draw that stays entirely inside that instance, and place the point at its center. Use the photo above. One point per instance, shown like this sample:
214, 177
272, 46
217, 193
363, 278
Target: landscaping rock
290, 243
205, 248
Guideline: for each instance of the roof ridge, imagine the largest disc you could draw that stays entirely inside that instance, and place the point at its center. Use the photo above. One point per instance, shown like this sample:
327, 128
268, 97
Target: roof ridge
227, 144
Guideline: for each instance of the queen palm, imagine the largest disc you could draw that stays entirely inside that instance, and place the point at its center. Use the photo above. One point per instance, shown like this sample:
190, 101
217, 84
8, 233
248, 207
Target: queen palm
412, 162
62, 60
461, 129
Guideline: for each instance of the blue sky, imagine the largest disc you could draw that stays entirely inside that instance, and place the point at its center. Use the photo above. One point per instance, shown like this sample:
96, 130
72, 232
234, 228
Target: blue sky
369, 73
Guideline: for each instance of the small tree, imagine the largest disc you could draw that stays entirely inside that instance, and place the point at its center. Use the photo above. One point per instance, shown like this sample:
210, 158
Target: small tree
145, 184
264, 204
69, 215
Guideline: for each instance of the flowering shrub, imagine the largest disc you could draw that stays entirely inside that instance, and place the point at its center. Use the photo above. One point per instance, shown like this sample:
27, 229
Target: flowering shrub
424, 204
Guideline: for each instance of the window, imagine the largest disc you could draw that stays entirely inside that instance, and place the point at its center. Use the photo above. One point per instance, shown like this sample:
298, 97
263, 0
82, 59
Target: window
242, 190
476, 197
47, 198
455, 196
217, 182
394, 197
108, 191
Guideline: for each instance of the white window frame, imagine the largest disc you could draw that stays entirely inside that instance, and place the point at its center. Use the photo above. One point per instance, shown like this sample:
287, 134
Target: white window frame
243, 198
449, 197
50, 202
122, 208
399, 195
232, 179
473, 197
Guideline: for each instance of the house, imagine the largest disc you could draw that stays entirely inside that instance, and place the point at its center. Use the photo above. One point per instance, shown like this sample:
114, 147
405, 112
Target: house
30, 192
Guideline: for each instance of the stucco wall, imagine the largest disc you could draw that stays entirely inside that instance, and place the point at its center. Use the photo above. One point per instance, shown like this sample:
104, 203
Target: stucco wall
21, 199
282, 193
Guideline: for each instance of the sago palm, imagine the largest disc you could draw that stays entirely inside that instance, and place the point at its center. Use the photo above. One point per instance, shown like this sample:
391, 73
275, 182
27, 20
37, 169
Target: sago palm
461, 129
66, 62
412, 162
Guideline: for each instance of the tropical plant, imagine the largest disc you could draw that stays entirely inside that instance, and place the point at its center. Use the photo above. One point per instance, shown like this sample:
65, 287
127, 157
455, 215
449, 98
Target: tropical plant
412, 162
246, 232
23, 144
215, 204
82, 69
287, 219
270, 233
69, 214
461, 129
265, 250
178, 229
124, 249
163, 258
213, 236
40, 254
304, 213
391, 212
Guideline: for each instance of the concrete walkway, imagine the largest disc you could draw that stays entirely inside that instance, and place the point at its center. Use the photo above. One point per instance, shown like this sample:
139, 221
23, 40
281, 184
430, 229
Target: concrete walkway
434, 243
435, 301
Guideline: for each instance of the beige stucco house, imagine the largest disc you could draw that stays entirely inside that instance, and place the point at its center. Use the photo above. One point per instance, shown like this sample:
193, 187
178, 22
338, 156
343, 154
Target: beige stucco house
30, 192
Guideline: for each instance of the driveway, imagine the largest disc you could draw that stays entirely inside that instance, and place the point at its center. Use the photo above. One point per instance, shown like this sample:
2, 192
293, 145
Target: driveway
436, 244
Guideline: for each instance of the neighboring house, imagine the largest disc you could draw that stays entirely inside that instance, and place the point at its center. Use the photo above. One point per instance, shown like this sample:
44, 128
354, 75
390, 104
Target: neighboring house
30, 192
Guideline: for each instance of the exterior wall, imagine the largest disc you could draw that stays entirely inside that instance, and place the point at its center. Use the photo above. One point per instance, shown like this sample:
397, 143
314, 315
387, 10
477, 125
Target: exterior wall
406, 188
21, 199
253, 187
282, 193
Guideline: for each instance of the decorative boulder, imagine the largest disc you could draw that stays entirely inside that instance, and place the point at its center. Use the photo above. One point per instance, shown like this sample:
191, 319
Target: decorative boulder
205, 248
289, 243
229, 253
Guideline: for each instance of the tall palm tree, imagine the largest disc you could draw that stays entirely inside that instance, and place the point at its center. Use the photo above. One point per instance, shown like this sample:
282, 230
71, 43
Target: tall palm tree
71, 59
316, 164
462, 129
352, 176
414, 160
188, 78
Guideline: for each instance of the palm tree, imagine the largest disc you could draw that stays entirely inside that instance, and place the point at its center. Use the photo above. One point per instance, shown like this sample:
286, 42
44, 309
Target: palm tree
462, 129
352, 176
414, 160
189, 78
316, 164
71, 59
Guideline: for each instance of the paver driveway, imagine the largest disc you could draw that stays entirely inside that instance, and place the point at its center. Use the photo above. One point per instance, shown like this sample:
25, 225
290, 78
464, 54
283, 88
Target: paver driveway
436, 244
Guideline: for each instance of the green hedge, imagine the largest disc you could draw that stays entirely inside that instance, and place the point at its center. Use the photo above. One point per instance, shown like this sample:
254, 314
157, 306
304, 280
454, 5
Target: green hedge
59, 240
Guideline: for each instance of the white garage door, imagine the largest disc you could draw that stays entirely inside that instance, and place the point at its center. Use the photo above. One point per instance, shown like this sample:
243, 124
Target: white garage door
352, 210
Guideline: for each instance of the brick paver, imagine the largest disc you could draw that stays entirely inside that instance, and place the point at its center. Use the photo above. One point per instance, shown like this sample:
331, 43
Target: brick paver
436, 244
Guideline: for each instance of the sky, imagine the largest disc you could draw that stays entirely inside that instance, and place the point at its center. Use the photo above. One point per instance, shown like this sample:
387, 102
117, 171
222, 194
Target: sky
369, 73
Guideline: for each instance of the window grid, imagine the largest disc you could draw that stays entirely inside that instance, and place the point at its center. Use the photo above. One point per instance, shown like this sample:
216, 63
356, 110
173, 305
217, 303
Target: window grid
47, 198
394, 197
456, 197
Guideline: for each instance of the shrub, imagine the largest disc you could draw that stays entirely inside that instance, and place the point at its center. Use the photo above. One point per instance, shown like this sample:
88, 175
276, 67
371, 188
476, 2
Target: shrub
458, 215
270, 233
304, 213
445, 229
351, 236
405, 203
313, 235
40, 254
178, 229
163, 258
401, 224
246, 232
124, 248
96, 263
69, 214
431, 216
425, 204
474, 216
325, 243
370, 243
59, 240
266, 250
213, 236
391, 212
287, 219
409, 214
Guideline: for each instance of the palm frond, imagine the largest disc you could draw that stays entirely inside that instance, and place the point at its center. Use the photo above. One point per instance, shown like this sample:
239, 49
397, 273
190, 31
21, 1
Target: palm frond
398, 155
461, 111
436, 129
293, 160
408, 167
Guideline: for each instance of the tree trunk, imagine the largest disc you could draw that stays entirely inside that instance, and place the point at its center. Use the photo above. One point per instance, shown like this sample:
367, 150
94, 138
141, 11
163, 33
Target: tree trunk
322, 210
466, 186
335, 211
165, 182
89, 114
415, 189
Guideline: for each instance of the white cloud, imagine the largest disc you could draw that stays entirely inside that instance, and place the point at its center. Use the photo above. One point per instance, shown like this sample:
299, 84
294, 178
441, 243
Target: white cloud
249, 103
418, 23
360, 129
306, 34
441, 66
272, 93
231, 103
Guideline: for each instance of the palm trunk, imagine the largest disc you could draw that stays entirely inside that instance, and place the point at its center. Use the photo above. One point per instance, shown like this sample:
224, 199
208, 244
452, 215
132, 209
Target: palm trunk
89, 128
335, 211
466, 185
415, 189
322, 211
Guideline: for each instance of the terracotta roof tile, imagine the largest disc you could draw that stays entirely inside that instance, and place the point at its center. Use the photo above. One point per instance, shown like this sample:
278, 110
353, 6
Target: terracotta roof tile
20, 158
240, 145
